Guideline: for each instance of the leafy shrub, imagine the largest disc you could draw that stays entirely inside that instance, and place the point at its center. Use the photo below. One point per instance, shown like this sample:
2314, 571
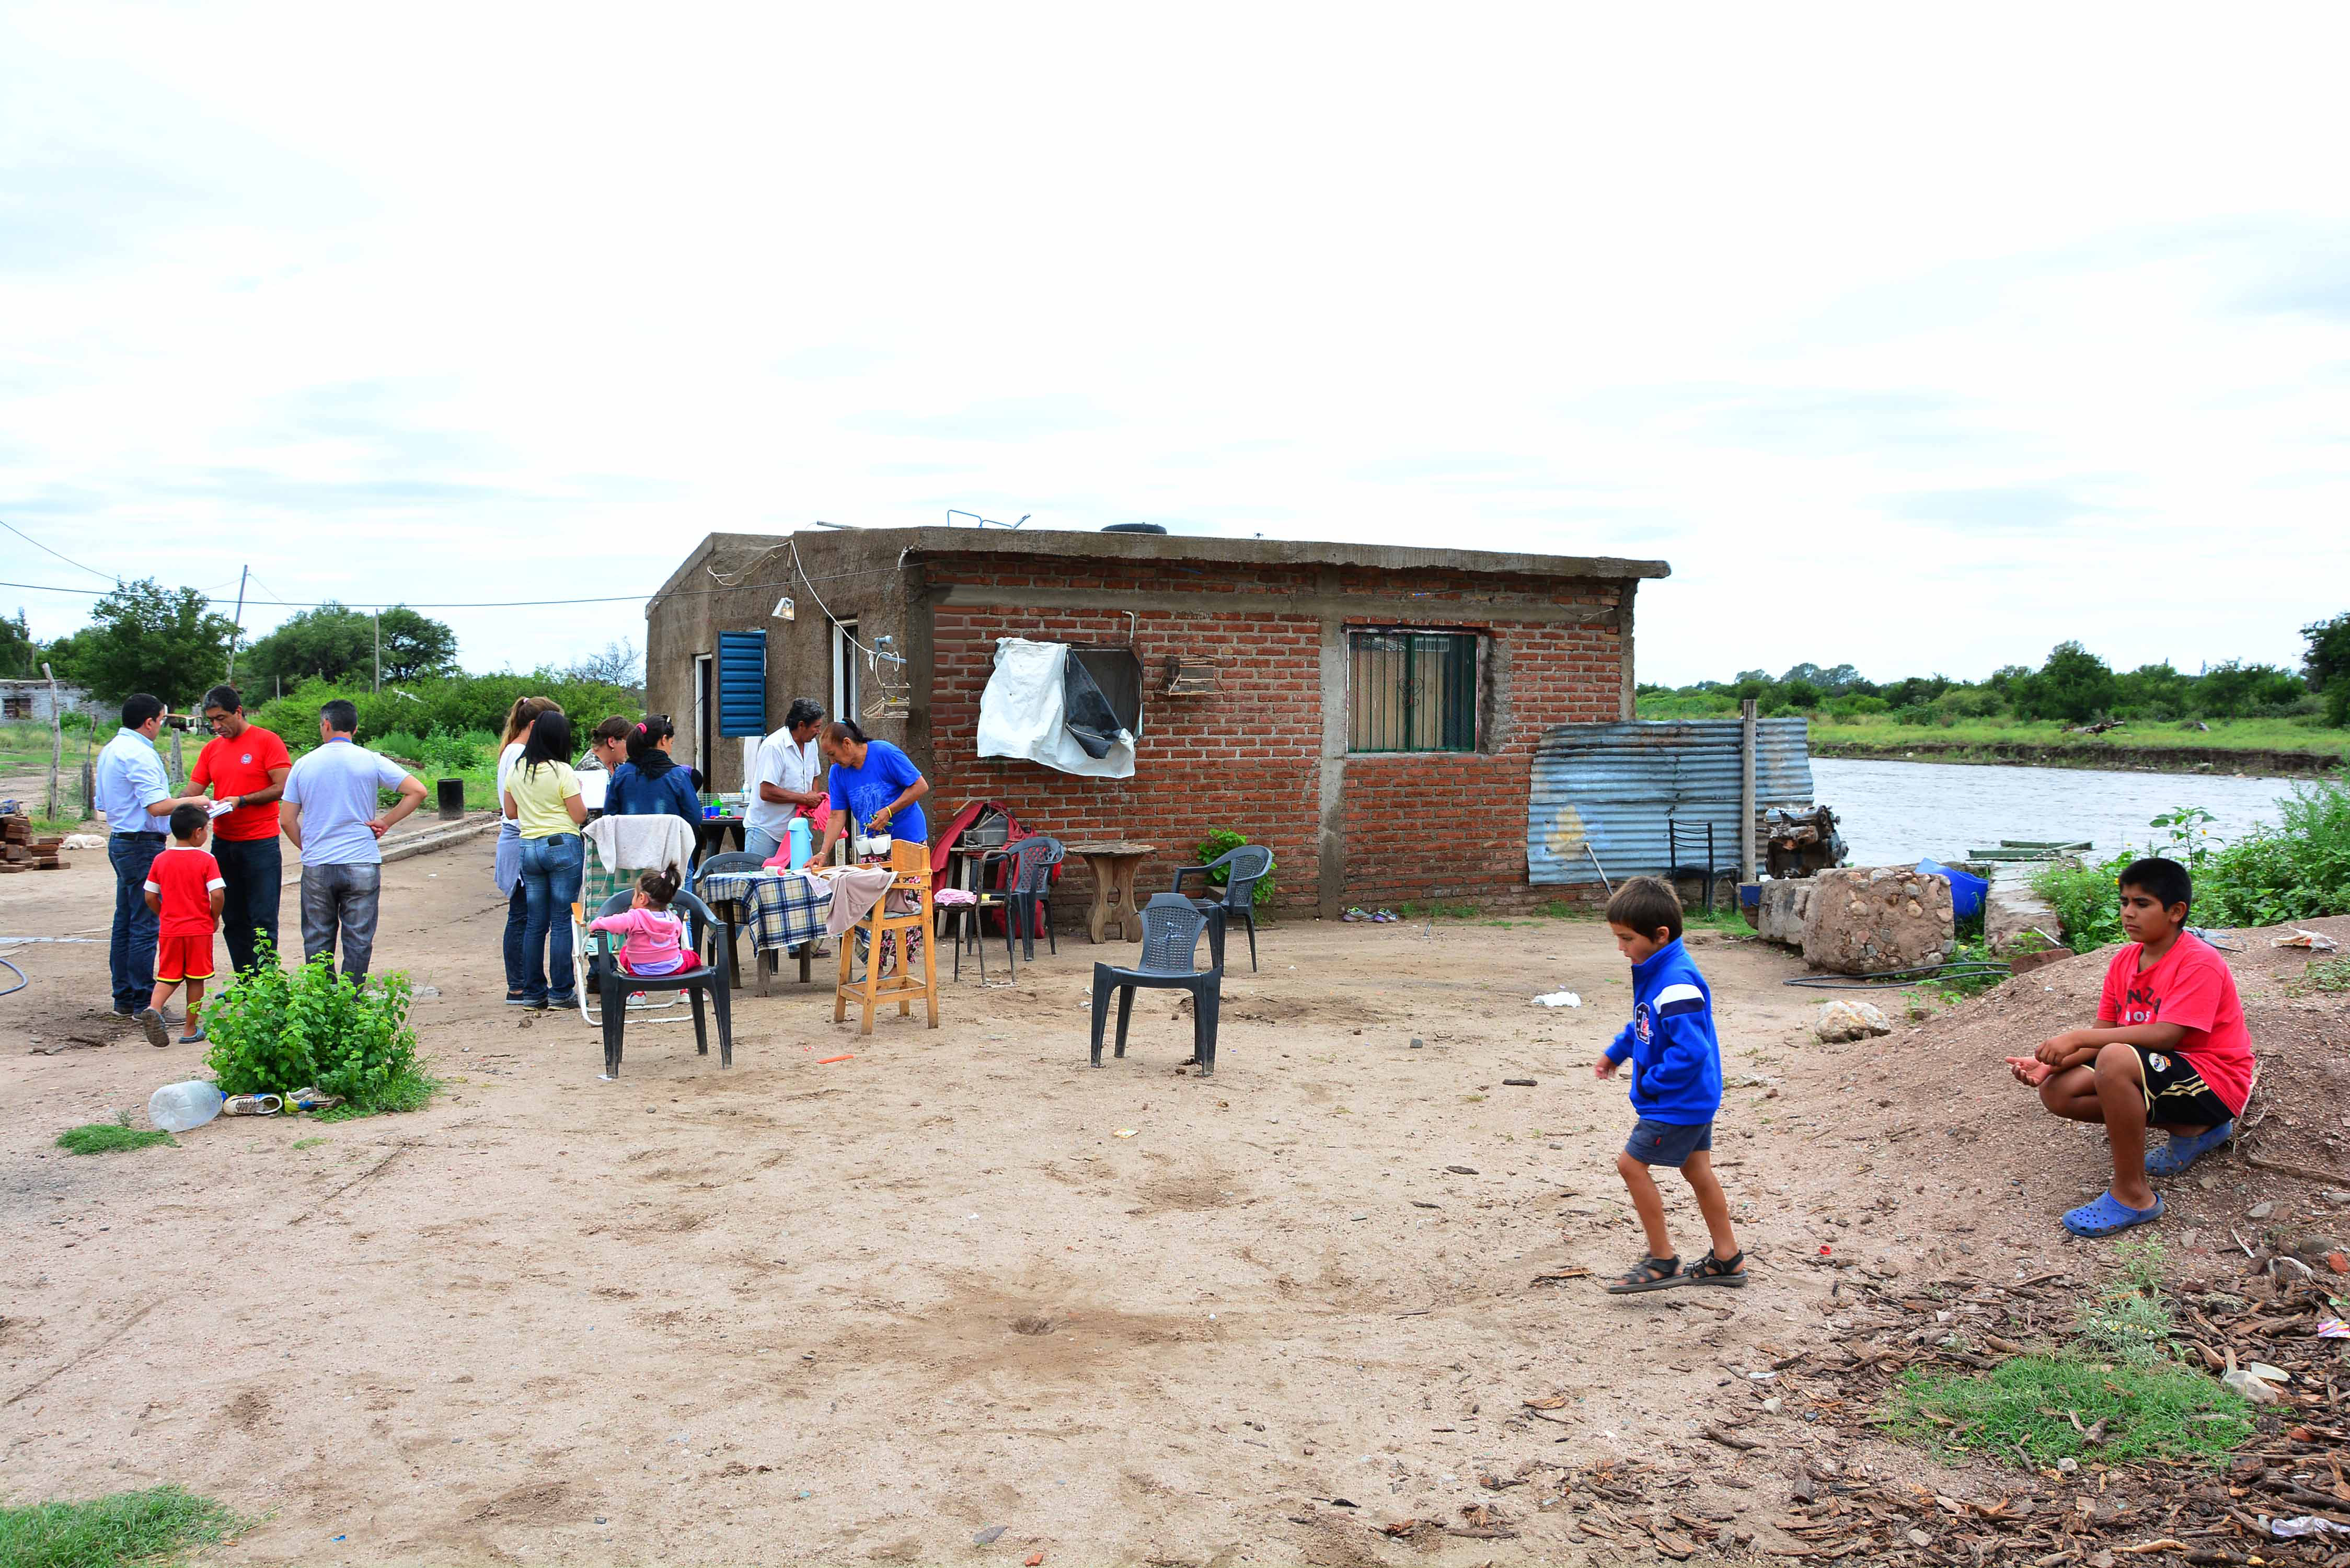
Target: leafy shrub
2297, 870
275, 1031
1221, 841
459, 705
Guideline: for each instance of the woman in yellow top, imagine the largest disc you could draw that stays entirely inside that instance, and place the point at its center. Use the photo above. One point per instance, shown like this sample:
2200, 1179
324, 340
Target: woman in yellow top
542, 797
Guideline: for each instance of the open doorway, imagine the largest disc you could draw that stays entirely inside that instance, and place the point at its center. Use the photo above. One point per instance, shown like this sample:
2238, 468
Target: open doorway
703, 718
845, 700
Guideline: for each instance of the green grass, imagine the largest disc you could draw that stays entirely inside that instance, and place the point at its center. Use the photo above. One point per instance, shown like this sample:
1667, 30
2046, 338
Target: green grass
1434, 909
2225, 734
310, 1142
2322, 974
2027, 1404
405, 1092
122, 1528
106, 1137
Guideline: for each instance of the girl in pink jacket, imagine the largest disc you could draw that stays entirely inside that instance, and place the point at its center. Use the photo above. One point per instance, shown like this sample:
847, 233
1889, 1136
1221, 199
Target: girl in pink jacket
655, 940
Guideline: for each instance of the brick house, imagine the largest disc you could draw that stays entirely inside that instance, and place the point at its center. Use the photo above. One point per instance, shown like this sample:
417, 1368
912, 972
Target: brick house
1369, 712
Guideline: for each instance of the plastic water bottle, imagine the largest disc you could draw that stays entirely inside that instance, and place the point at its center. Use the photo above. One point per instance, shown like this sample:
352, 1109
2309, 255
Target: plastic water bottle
797, 833
176, 1108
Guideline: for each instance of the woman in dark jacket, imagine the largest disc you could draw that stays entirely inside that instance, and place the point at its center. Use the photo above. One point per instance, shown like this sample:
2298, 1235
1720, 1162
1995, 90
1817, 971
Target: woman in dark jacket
648, 783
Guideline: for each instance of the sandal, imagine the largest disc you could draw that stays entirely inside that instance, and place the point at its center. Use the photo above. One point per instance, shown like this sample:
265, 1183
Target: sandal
1729, 1271
2179, 1153
2109, 1216
1648, 1275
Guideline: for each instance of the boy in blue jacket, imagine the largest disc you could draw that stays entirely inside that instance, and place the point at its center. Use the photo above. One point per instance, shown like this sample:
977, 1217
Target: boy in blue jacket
1676, 1087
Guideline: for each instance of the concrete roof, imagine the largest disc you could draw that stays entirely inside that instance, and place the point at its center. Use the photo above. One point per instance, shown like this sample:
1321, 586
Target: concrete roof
1074, 544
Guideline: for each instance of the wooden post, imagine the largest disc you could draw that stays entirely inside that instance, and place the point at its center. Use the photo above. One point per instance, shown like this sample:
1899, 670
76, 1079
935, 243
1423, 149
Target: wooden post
1746, 747
178, 767
89, 771
56, 739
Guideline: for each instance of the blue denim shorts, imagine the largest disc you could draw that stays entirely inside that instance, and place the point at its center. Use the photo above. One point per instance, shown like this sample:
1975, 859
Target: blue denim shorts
1666, 1143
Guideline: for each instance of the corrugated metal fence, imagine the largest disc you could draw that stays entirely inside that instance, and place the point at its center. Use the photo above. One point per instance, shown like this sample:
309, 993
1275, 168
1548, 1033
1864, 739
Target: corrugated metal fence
1611, 787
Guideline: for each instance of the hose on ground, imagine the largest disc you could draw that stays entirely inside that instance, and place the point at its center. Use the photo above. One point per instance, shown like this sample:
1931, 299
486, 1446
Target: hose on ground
1902, 979
21, 982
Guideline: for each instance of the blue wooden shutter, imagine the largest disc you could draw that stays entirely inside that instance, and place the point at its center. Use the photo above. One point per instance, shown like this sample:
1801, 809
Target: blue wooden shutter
741, 683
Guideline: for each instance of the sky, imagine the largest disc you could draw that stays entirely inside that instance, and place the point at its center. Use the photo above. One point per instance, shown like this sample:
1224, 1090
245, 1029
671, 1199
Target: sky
1916, 339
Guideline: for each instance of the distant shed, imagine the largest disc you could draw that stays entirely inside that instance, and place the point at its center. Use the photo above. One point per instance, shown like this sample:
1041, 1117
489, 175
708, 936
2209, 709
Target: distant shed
33, 700
1603, 793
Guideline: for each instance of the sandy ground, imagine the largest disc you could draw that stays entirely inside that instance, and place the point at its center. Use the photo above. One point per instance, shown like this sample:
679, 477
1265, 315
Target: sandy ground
777, 1313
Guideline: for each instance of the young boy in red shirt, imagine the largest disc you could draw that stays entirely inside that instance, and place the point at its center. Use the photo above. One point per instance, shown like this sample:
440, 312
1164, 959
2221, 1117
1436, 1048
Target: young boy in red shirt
186, 890
2169, 1050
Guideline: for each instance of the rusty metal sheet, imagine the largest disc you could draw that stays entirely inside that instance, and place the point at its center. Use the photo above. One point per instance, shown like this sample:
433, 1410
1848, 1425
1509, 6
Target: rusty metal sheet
1612, 786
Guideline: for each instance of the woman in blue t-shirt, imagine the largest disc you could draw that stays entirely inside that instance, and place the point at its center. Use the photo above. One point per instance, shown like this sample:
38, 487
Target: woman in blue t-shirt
875, 788
649, 784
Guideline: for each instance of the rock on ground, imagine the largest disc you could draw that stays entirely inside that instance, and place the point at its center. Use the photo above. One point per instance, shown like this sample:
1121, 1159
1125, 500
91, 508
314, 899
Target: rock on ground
1845, 1019
1869, 921
1786, 901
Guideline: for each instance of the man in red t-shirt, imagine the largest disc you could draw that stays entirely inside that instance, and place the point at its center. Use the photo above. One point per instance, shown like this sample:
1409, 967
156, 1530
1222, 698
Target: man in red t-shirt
184, 890
2169, 1050
244, 765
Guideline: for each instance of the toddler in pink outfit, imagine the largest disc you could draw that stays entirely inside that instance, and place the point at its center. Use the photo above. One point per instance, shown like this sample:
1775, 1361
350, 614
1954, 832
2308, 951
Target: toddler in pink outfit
655, 939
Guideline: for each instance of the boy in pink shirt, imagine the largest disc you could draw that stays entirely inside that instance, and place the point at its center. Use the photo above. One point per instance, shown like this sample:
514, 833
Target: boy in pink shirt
655, 943
2169, 1050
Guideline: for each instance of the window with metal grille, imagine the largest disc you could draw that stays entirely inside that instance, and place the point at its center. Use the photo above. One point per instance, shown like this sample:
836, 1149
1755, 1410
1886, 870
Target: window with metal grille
1412, 691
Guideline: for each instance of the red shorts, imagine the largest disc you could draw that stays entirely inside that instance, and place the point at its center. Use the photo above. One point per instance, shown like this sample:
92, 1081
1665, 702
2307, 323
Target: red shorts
179, 958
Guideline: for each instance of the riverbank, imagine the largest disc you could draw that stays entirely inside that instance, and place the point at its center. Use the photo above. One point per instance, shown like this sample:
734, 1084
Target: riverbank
2081, 751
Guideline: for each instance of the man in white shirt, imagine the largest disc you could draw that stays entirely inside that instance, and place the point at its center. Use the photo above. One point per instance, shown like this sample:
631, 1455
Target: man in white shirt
789, 782
334, 824
135, 794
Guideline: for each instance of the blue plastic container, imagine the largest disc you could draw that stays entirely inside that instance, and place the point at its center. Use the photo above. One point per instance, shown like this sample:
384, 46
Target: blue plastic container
1966, 890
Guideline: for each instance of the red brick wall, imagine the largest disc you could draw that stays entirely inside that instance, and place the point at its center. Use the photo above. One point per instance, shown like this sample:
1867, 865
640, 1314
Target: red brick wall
1249, 757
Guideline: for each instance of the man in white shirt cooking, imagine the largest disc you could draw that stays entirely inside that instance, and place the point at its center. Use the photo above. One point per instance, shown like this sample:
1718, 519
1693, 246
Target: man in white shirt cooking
788, 782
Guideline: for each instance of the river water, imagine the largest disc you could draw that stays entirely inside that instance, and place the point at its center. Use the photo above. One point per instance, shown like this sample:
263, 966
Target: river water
1897, 814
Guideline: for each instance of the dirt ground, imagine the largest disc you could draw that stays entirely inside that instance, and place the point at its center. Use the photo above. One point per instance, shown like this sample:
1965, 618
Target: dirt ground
872, 1310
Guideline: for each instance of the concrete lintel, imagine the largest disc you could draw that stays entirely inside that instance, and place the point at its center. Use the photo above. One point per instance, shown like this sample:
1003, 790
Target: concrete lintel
1324, 606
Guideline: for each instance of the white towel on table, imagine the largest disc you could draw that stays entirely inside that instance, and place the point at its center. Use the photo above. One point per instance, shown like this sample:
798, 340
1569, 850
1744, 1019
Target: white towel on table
662, 843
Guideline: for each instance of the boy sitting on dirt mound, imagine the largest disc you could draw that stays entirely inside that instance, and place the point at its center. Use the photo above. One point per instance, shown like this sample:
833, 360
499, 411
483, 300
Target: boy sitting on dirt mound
2170, 1050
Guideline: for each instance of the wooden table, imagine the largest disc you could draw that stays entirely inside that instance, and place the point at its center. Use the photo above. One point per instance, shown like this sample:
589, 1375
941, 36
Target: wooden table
1114, 867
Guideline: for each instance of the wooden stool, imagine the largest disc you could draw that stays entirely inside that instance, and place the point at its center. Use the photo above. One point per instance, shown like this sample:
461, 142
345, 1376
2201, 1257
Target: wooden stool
912, 864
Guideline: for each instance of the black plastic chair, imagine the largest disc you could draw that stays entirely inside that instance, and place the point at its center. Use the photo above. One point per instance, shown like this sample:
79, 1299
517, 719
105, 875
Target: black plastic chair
614, 986
1676, 867
1244, 868
1028, 886
736, 861
1171, 925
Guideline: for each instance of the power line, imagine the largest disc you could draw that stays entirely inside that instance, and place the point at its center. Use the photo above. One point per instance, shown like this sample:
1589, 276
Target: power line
69, 560
504, 604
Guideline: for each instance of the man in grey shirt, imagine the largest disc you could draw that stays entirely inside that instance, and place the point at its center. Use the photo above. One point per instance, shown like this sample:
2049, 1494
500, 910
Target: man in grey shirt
334, 822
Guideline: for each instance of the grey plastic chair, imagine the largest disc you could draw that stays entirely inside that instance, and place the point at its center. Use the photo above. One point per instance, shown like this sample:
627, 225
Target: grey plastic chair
1244, 868
1028, 886
1171, 925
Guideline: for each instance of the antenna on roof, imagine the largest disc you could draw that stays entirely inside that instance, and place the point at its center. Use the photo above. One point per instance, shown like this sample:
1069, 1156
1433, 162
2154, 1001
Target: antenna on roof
821, 524
955, 512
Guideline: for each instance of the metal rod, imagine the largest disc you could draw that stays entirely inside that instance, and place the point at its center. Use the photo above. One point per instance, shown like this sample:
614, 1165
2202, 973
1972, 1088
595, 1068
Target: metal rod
1747, 712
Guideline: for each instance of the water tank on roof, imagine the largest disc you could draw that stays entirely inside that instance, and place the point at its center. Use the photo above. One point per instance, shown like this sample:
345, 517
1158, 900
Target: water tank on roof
1134, 528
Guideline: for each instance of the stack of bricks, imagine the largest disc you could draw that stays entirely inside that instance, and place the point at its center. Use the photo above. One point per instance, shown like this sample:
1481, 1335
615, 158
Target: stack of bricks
21, 851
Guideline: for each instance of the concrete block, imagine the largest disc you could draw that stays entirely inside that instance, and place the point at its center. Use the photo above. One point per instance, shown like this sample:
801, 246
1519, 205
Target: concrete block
1786, 901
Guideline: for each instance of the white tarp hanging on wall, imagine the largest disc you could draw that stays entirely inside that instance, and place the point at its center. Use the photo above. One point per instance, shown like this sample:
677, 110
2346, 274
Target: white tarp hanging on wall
1023, 710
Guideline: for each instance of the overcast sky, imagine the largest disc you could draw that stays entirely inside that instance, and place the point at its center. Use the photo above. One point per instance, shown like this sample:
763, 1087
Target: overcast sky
1921, 339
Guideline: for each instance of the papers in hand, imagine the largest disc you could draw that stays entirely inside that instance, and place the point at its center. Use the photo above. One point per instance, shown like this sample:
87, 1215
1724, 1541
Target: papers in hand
220, 808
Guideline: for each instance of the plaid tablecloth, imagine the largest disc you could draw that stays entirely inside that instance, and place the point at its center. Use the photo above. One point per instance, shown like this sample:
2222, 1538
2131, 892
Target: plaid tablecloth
779, 911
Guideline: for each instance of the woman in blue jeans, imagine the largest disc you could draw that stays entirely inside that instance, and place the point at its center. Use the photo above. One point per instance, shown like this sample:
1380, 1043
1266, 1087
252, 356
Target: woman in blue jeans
542, 795
506, 868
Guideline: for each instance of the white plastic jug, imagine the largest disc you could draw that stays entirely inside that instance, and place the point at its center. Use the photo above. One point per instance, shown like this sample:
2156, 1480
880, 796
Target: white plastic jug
176, 1108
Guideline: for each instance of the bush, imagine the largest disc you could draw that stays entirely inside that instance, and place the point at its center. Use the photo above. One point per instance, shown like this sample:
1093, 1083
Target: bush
274, 1032
2298, 870
1223, 841
465, 705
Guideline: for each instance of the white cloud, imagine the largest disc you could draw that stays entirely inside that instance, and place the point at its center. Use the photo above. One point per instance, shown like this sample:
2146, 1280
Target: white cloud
1910, 345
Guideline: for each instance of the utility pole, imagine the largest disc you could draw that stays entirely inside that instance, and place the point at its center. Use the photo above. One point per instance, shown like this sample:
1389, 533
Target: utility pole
56, 738
379, 650
241, 574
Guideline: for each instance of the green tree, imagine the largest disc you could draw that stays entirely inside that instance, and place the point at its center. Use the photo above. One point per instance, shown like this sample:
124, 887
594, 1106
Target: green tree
18, 659
143, 637
2233, 690
2327, 665
2074, 684
337, 643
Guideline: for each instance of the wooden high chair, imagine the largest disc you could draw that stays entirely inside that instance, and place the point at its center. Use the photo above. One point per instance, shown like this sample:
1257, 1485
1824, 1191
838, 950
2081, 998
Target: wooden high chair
910, 863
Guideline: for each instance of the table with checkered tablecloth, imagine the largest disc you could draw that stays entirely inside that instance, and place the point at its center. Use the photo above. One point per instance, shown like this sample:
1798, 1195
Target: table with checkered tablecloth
781, 912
